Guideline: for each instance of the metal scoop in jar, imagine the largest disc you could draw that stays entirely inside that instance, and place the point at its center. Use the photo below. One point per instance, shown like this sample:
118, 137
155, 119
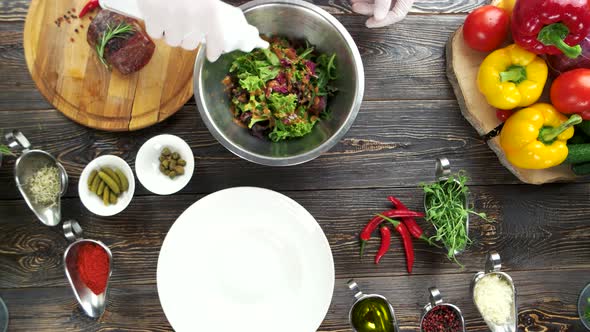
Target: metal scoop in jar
371, 312
25, 167
442, 173
492, 268
92, 304
436, 301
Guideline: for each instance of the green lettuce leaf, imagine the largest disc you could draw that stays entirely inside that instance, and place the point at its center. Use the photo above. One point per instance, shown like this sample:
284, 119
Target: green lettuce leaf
282, 104
252, 83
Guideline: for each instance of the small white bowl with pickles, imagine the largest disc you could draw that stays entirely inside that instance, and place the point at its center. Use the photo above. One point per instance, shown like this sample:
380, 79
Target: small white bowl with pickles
106, 174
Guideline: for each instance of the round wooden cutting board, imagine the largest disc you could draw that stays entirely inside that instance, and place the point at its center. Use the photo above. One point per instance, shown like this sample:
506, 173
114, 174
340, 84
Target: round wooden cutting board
70, 76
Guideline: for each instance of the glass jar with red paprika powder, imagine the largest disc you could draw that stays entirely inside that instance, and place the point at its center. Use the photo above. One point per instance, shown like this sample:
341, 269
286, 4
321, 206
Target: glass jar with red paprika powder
440, 316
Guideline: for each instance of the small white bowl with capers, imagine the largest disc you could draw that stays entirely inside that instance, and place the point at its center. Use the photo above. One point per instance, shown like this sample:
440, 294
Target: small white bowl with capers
164, 164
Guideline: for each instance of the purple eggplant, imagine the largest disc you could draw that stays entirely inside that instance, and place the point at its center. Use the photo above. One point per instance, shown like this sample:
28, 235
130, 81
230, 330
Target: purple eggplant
560, 63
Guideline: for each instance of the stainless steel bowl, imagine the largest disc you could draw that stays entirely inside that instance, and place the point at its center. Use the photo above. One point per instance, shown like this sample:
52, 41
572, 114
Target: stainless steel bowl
293, 19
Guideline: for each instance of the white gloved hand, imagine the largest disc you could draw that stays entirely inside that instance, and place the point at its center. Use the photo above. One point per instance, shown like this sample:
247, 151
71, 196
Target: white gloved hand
187, 23
382, 11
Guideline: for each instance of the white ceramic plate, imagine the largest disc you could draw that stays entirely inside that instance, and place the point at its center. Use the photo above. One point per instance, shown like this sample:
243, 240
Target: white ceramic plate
147, 164
94, 203
245, 259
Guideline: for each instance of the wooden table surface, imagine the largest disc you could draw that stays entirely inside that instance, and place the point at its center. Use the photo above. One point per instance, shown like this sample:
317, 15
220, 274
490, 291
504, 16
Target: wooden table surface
408, 118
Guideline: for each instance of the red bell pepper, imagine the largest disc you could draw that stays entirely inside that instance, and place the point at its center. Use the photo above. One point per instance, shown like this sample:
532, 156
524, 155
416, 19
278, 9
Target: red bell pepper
551, 26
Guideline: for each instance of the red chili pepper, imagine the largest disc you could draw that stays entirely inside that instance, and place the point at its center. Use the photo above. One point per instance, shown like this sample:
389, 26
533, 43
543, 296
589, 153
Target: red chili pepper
90, 5
385, 243
375, 221
406, 238
410, 223
399, 213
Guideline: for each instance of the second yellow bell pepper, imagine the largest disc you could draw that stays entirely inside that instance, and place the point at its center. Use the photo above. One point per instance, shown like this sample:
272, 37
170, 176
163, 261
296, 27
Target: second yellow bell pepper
512, 77
536, 137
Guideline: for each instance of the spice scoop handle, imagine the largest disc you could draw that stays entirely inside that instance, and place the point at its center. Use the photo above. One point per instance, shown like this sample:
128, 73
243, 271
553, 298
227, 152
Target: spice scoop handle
435, 296
442, 169
16, 139
493, 262
354, 287
72, 230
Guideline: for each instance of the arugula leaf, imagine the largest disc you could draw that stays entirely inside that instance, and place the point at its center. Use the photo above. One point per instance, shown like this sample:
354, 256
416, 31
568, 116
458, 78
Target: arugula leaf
242, 63
271, 57
268, 73
252, 83
307, 53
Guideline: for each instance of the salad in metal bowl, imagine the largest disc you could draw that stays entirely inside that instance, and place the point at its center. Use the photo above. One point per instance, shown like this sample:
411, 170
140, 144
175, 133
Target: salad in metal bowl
281, 92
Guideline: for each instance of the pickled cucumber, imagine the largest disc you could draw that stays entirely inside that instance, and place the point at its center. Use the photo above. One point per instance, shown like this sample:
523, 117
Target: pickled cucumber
112, 184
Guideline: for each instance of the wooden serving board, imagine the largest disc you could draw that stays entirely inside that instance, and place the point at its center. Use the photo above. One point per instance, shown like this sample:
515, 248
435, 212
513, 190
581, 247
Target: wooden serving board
462, 67
70, 76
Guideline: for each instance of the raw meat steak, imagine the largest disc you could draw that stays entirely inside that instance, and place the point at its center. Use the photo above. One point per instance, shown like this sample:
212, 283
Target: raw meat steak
127, 54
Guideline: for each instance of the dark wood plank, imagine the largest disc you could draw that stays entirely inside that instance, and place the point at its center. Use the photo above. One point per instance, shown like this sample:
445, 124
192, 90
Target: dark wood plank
16, 10
533, 230
398, 59
546, 304
17, 91
391, 144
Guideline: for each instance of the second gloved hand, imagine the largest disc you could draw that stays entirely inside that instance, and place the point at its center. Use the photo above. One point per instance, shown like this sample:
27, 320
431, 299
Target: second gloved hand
187, 23
382, 11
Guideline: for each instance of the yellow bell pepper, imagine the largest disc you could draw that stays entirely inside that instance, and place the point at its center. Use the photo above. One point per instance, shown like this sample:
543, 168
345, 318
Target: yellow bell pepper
507, 5
512, 77
536, 137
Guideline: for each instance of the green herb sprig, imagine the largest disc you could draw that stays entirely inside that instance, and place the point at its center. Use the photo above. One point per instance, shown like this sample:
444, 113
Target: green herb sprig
587, 312
447, 211
5, 150
122, 30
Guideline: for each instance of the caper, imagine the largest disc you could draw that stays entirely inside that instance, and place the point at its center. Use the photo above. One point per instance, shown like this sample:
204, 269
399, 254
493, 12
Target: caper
165, 163
172, 174
175, 156
166, 152
162, 158
172, 164
179, 170
167, 172
181, 162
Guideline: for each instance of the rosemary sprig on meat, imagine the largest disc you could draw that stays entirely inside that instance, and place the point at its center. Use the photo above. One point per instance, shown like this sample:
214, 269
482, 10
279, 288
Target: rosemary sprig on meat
123, 30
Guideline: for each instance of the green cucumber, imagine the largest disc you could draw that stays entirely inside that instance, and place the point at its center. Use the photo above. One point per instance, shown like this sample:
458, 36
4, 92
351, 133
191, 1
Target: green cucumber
578, 154
581, 169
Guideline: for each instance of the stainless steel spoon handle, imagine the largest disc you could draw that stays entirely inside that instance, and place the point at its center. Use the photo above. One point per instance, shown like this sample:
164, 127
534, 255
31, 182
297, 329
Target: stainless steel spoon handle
493, 262
435, 296
72, 230
442, 169
352, 285
16, 139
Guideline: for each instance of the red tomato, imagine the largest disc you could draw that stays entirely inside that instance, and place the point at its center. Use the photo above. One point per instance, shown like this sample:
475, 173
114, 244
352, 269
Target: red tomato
503, 115
486, 28
570, 92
